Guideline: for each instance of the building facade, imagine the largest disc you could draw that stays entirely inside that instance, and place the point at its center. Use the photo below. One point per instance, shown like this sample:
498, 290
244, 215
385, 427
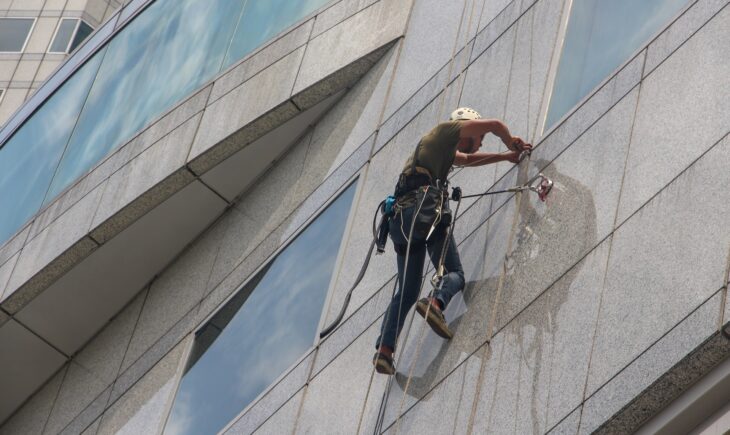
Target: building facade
186, 201
37, 37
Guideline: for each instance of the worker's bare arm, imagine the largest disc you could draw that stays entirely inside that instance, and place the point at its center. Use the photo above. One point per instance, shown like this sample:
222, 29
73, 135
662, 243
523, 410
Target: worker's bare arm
481, 159
480, 127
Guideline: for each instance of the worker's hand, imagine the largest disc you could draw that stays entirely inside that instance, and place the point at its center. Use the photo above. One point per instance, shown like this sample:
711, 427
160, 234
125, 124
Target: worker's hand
513, 156
517, 144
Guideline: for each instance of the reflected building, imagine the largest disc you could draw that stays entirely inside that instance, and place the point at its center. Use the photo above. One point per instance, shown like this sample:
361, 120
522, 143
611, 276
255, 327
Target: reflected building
187, 193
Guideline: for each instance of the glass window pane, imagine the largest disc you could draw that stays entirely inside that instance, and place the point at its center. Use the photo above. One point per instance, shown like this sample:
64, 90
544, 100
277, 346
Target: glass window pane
165, 53
63, 35
13, 33
81, 34
262, 331
29, 158
601, 35
262, 19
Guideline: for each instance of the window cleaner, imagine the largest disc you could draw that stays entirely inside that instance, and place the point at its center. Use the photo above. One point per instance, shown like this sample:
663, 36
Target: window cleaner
418, 220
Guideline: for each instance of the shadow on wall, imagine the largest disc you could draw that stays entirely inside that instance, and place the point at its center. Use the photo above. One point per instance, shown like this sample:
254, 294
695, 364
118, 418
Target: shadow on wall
549, 238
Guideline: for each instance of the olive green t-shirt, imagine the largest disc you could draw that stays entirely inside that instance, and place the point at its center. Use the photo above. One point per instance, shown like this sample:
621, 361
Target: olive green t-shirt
436, 150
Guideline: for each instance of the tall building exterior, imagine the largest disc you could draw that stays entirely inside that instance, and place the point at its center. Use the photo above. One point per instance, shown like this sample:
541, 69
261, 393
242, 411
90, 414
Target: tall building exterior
187, 200
37, 36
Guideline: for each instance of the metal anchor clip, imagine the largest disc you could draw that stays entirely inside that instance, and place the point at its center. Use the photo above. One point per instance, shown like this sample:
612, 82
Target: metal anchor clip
542, 186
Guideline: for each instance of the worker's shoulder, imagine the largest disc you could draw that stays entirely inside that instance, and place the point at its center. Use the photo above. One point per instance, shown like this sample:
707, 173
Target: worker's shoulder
445, 128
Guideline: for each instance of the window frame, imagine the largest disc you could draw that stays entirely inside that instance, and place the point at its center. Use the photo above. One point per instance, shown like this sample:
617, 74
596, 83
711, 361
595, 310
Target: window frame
355, 178
27, 36
73, 35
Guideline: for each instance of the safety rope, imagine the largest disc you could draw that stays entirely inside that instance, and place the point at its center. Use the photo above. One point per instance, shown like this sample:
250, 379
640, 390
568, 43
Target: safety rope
439, 113
422, 335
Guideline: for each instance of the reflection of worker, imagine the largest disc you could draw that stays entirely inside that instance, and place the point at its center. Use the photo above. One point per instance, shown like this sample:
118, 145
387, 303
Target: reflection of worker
450, 143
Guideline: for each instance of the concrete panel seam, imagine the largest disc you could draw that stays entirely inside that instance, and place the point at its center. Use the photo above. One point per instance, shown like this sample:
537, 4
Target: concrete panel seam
299, 67
690, 165
134, 328
55, 397
628, 149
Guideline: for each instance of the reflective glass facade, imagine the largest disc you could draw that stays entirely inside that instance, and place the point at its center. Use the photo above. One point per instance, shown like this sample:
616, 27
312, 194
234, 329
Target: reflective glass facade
265, 328
601, 35
167, 51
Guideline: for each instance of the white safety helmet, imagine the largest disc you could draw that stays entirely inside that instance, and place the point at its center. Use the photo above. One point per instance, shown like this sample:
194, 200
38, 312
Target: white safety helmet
464, 114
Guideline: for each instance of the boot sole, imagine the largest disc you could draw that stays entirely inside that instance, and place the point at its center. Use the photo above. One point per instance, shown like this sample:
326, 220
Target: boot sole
384, 368
433, 320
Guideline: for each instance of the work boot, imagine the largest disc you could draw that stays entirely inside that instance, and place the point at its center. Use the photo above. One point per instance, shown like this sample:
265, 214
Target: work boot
383, 364
435, 318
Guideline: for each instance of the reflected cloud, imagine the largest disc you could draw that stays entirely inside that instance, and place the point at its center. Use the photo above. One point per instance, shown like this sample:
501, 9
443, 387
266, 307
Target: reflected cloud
258, 335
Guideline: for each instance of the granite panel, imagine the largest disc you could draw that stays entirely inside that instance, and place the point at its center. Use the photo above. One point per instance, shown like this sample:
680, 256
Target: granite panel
689, 78
79, 389
245, 113
26, 368
151, 168
572, 309
14, 245
680, 30
424, 96
569, 425
185, 282
446, 408
271, 403
153, 355
50, 254
6, 270
347, 42
283, 421
338, 12
490, 10
483, 410
427, 48
496, 27
659, 358
336, 397
352, 327
344, 78
94, 369
587, 182
537, 33
279, 183
261, 59
91, 430
87, 417
33, 415
643, 266
331, 185
142, 409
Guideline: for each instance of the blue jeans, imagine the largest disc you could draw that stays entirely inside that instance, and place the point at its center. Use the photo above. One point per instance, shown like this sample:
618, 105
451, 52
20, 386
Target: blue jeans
409, 289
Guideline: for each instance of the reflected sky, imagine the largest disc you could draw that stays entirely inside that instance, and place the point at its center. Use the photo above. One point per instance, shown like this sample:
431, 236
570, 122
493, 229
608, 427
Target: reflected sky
262, 19
242, 350
601, 36
28, 159
166, 52
163, 55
